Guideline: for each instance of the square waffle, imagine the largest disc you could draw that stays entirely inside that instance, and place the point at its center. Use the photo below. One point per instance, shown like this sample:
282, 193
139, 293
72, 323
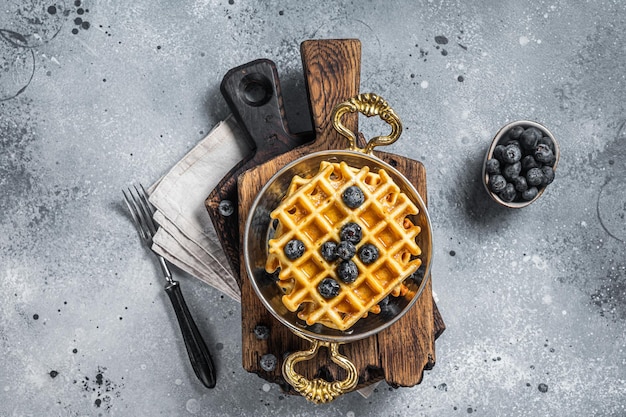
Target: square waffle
314, 212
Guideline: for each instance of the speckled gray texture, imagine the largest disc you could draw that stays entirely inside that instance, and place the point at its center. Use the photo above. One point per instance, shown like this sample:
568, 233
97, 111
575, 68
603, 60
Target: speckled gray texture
533, 299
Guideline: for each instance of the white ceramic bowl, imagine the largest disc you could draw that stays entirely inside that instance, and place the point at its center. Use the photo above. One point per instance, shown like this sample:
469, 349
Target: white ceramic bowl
500, 138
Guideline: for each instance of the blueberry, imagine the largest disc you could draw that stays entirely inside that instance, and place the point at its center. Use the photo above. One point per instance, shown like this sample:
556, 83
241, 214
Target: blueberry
548, 175
520, 184
530, 137
261, 331
530, 193
496, 183
493, 166
328, 288
384, 303
329, 251
508, 194
513, 142
546, 141
268, 362
529, 162
368, 253
516, 132
512, 154
345, 250
511, 171
351, 232
353, 197
544, 154
294, 249
347, 271
273, 276
534, 176
498, 151
418, 275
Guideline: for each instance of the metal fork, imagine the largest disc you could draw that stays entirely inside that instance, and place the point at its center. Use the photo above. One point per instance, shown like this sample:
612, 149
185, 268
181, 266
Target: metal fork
142, 212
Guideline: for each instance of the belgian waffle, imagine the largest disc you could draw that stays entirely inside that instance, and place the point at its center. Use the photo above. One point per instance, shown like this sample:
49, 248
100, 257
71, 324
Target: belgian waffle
313, 212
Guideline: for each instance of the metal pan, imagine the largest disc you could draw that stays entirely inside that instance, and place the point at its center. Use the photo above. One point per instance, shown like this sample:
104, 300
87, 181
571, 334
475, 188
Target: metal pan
259, 230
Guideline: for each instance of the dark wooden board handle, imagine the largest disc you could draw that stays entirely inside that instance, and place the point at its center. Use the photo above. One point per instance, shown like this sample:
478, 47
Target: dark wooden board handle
253, 94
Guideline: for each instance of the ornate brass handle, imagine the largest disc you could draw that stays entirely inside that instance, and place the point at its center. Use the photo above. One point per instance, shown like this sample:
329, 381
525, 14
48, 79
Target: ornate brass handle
319, 390
368, 104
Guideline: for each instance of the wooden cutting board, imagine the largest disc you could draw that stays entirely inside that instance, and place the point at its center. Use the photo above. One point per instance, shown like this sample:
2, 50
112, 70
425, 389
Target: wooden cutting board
402, 352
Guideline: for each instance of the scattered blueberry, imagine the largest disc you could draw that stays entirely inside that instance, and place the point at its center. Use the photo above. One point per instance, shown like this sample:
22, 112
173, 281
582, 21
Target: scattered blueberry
520, 183
328, 288
493, 166
534, 176
530, 193
508, 194
329, 251
368, 253
353, 196
548, 175
345, 250
497, 183
351, 232
347, 271
261, 331
512, 153
544, 154
294, 249
226, 208
268, 362
511, 171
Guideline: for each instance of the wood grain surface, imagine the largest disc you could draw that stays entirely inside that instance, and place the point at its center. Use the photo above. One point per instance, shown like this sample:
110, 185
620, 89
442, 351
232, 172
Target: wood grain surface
400, 353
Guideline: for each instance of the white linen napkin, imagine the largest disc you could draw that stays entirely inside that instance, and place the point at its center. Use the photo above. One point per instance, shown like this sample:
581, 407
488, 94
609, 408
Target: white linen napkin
186, 236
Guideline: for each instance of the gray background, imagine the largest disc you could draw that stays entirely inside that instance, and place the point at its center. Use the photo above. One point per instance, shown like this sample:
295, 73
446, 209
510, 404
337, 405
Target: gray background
529, 297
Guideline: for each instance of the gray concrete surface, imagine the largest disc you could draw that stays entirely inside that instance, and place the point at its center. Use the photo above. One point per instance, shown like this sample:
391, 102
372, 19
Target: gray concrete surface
533, 299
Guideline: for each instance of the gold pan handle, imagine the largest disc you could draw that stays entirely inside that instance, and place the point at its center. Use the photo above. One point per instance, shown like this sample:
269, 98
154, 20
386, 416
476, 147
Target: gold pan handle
319, 390
368, 104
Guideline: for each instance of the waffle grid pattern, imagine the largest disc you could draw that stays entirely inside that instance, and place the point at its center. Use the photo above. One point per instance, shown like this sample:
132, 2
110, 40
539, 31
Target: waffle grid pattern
313, 212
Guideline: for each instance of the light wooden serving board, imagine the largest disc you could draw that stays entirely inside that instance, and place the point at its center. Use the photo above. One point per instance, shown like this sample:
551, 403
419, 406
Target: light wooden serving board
399, 354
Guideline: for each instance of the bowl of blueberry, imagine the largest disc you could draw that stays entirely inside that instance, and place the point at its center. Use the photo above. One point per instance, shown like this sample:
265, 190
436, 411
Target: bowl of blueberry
520, 163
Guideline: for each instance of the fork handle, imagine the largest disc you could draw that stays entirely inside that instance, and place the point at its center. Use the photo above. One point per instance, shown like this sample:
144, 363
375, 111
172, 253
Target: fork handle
197, 350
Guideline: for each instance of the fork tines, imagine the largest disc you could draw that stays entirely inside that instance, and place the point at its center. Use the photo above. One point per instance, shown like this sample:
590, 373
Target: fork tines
141, 210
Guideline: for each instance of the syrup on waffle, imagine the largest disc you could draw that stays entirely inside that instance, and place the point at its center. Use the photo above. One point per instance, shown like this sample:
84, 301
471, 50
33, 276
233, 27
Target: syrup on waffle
313, 212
